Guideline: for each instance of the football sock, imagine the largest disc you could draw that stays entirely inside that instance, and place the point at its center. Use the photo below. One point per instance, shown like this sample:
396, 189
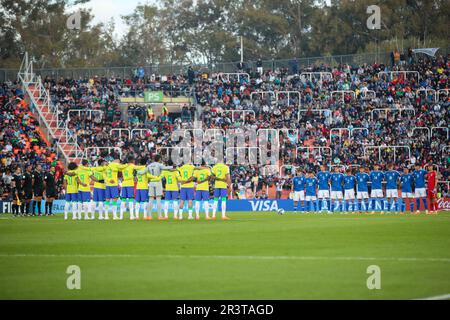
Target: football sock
98, 207
66, 209
86, 210
107, 205
425, 203
114, 209
131, 206
318, 205
158, 206
224, 207
150, 208
215, 205
206, 205
79, 209
197, 209
175, 208
166, 208
122, 207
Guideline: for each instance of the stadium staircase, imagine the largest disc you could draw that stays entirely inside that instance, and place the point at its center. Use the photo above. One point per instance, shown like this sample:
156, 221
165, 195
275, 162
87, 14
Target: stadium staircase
46, 111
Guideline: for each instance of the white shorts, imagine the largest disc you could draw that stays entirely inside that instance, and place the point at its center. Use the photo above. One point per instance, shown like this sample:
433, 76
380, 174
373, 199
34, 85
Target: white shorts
391, 193
407, 195
299, 195
155, 189
349, 194
376, 193
362, 195
420, 193
323, 194
336, 195
310, 198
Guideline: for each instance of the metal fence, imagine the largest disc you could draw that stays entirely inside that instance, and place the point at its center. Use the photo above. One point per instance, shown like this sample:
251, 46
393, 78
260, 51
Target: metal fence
123, 72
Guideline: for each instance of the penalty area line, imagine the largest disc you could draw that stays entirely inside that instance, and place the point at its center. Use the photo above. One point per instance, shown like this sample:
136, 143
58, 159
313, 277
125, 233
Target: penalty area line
149, 256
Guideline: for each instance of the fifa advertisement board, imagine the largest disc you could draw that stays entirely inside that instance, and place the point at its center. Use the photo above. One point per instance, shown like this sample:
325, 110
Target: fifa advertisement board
232, 205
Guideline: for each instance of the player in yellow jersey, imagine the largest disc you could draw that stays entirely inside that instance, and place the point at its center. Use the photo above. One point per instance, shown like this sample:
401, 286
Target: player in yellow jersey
187, 188
84, 174
71, 186
127, 195
222, 182
201, 175
172, 178
142, 191
112, 186
99, 189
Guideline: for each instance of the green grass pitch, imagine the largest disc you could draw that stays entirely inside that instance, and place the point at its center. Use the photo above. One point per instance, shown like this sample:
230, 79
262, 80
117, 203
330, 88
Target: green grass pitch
253, 256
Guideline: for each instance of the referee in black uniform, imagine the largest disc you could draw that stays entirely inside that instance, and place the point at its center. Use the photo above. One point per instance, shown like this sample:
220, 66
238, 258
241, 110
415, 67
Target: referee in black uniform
17, 194
38, 189
27, 188
49, 190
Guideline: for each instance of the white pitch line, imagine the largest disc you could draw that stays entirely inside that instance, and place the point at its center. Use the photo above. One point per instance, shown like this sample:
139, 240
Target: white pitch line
223, 257
441, 297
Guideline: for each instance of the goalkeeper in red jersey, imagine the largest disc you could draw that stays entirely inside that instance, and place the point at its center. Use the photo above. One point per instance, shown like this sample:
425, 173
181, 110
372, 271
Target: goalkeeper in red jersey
431, 188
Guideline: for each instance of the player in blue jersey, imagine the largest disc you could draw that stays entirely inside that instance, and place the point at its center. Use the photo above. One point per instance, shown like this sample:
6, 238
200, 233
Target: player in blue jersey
419, 190
298, 189
336, 189
311, 186
376, 194
362, 189
323, 194
391, 177
406, 179
349, 203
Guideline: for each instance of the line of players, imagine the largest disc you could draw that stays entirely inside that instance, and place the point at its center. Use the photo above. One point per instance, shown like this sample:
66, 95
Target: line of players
141, 186
29, 188
314, 191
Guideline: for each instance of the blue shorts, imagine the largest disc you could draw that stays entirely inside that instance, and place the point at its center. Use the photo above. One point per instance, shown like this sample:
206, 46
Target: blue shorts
187, 194
72, 197
142, 195
112, 192
84, 196
171, 195
220, 192
127, 192
99, 195
201, 195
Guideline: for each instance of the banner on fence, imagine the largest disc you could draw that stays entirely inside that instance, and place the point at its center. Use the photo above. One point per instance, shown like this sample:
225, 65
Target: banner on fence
232, 205
153, 96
